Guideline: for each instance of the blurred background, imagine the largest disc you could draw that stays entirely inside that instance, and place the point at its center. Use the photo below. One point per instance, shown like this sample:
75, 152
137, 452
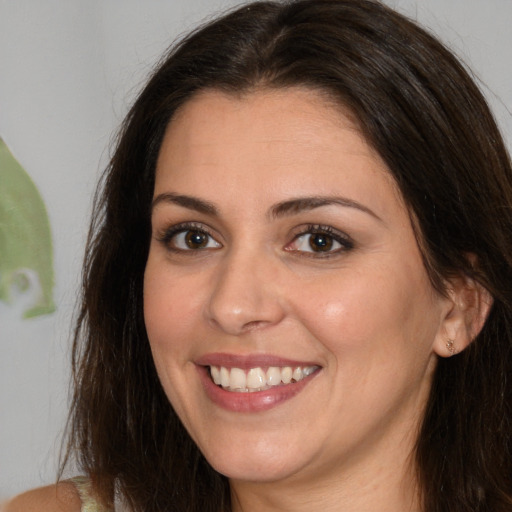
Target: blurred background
69, 71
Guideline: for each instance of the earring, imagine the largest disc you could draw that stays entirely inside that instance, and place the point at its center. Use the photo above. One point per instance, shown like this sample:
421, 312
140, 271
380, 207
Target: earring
450, 346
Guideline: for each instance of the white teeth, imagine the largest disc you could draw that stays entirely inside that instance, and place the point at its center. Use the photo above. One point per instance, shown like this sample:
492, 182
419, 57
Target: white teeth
273, 376
297, 374
308, 370
215, 375
286, 374
224, 377
238, 379
257, 379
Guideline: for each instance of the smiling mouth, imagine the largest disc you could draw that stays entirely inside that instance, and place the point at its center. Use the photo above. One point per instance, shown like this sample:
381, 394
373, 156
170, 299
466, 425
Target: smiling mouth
258, 379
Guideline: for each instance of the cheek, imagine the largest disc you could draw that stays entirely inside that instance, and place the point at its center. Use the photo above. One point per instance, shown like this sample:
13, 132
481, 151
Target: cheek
170, 312
366, 312
170, 315
377, 328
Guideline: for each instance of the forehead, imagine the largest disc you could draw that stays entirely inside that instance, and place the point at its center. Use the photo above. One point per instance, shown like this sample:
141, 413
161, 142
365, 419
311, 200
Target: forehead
284, 116
281, 142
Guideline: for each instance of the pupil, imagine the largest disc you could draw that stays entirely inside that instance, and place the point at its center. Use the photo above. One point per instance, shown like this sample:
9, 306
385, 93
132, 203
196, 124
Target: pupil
320, 242
195, 239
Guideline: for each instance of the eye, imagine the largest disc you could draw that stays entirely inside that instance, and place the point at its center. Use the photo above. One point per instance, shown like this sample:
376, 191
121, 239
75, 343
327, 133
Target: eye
316, 242
320, 240
188, 238
193, 240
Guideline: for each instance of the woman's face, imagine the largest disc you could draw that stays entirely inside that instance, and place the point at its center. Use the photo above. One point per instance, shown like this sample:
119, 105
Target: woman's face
282, 249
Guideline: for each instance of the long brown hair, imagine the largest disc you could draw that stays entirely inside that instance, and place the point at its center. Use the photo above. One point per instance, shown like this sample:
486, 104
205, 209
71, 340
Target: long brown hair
419, 108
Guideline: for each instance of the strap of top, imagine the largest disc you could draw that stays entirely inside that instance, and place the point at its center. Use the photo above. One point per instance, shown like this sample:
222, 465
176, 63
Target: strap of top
84, 488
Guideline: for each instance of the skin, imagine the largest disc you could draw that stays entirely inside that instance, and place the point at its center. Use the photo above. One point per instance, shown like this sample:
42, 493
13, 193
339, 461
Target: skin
53, 498
364, 311
366, 314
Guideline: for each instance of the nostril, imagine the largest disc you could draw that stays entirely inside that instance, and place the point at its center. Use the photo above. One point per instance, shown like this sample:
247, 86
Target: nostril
250, 326
241, 327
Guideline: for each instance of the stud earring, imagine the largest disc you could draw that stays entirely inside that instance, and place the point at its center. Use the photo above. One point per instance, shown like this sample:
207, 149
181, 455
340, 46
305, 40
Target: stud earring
450, 346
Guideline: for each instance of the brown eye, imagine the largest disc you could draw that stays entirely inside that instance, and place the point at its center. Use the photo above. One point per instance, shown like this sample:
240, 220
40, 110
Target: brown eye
196, 239
320, 242
185, 239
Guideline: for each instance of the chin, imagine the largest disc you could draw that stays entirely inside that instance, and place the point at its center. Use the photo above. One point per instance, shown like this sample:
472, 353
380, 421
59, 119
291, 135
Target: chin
254, 470
257, 462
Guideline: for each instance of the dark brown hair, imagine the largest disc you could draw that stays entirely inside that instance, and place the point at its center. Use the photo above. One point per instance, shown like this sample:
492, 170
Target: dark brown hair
419, 108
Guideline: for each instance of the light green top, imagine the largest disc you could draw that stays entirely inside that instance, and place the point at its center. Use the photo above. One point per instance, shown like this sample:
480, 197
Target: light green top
89, 504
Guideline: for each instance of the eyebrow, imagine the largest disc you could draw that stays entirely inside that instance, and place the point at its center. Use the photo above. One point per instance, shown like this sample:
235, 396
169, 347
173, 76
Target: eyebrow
301, 204
282, 209
192, 203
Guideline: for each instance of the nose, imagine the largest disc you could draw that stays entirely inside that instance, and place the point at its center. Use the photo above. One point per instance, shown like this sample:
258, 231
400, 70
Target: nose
245, 295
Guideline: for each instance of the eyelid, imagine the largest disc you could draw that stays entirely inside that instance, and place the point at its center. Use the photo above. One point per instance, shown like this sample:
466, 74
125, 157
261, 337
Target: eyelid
342, 238
165, 235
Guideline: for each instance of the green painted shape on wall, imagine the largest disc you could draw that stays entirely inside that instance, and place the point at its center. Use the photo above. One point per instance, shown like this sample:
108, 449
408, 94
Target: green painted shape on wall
26, 254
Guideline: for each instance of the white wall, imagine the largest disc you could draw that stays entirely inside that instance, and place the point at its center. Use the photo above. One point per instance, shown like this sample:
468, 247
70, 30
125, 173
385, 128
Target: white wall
68, 71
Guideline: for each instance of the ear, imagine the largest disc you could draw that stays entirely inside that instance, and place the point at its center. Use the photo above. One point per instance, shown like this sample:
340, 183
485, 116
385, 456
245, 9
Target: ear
467, 308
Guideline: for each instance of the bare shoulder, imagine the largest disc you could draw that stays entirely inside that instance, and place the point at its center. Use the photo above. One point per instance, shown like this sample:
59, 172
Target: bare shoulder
62, 497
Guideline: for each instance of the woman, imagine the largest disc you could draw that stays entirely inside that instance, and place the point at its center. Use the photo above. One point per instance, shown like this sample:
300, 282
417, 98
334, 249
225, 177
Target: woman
298, 286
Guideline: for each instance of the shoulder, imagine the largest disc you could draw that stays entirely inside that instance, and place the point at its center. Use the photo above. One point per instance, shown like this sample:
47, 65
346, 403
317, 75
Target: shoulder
62, 497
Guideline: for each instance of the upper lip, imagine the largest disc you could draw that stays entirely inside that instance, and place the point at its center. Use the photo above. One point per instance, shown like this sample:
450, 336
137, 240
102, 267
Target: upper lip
248, 361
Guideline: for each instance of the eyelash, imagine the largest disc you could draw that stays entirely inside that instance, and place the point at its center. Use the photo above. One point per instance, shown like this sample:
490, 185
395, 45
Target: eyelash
344, 240
346, 243
167, 236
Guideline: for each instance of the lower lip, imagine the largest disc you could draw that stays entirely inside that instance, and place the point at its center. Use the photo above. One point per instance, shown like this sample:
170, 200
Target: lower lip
256, 401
